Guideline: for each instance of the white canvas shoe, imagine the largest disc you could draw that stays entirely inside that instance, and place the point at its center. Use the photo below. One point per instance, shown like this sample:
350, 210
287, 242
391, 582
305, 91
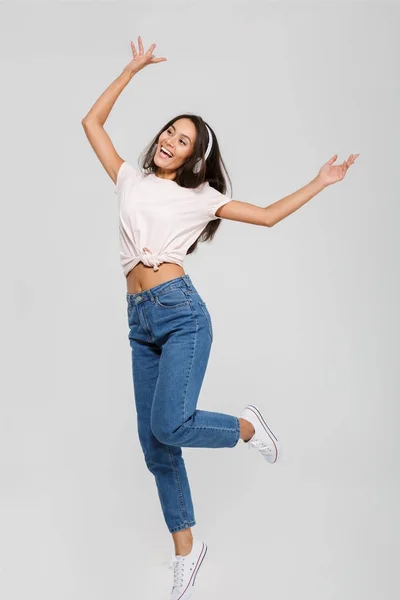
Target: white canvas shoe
263, 439
185, 569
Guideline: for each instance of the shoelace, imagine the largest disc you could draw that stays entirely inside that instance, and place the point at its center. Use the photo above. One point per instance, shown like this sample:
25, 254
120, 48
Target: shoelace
177, 565
261, 446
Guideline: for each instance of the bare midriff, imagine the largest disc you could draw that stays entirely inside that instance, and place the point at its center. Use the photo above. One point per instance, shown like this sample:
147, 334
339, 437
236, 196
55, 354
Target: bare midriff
143, 277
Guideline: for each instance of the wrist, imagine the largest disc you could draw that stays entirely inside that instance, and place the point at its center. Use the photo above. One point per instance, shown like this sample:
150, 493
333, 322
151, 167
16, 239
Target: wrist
129, 72
319, 184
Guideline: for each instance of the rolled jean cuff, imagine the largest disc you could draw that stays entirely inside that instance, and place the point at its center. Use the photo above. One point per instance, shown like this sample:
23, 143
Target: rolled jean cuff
237, 431
182, 527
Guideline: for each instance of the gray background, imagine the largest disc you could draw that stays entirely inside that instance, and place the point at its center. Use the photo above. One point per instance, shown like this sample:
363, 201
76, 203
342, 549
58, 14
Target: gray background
305, 314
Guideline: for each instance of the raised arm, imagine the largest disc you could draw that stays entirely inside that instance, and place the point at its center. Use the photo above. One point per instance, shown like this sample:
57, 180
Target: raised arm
272, 214
96, 117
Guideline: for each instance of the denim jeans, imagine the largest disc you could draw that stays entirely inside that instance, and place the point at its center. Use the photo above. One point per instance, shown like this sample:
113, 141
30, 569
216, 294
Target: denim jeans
170, 334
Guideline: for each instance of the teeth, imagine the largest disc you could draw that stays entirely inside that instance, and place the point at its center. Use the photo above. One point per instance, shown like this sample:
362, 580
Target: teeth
167, 151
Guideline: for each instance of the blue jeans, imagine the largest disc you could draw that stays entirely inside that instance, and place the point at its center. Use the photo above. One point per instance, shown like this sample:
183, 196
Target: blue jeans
170, 334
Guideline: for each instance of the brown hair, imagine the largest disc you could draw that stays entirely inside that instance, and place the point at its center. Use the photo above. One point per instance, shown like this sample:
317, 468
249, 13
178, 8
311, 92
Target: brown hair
212, 170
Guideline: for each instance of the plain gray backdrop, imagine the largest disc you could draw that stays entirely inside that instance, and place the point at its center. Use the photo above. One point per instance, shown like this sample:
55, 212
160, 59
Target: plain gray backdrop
305, 314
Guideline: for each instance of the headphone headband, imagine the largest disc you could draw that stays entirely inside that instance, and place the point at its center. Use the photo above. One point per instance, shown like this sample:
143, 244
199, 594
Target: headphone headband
197, 166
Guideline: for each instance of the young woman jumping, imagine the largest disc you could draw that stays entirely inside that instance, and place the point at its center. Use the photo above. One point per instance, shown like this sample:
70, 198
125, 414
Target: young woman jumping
177, 201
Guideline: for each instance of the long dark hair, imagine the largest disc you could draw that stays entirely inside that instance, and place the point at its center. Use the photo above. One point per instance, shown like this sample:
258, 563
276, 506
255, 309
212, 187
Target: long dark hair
211, 170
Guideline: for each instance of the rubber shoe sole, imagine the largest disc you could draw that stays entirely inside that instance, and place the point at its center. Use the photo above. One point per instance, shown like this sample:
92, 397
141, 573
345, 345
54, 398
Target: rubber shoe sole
262, 432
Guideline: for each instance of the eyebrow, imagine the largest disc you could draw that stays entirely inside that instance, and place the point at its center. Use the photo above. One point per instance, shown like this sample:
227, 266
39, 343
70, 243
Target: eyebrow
182, 134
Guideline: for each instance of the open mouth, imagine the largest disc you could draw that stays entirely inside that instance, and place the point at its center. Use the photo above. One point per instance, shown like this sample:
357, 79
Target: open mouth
165, 153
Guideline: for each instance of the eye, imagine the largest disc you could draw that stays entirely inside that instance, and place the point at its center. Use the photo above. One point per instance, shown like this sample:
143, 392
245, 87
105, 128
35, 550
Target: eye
182, 142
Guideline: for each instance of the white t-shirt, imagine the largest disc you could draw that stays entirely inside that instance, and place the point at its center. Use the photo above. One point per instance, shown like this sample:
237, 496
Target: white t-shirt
159, 219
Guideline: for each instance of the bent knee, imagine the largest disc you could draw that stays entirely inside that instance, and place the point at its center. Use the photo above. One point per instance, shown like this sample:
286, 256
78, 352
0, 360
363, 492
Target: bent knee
165, 435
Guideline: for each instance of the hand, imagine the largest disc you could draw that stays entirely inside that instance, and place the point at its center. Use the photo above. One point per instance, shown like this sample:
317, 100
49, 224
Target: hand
142, 59
330, 173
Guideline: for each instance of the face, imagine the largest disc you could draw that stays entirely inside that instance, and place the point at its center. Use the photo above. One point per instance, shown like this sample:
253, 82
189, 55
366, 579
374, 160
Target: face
178, 141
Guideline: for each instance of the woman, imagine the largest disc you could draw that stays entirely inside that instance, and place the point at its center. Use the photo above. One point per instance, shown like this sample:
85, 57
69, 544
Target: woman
164, 212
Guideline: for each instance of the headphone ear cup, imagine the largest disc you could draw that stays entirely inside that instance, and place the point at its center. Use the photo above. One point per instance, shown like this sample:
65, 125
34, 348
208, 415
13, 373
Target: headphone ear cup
197, 166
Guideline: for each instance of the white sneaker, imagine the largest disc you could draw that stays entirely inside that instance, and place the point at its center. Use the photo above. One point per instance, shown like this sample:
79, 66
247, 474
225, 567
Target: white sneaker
185, 569
263, 439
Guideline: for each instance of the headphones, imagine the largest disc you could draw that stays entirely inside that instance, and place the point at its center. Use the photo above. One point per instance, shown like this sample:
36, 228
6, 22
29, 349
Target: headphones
197, 166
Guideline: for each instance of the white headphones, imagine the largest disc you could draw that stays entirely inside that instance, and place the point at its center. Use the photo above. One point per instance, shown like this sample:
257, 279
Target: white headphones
197, 166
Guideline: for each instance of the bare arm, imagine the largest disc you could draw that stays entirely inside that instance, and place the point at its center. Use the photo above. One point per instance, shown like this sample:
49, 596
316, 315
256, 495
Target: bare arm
236, 210
283, 208
96, 117
93, 125
272, 214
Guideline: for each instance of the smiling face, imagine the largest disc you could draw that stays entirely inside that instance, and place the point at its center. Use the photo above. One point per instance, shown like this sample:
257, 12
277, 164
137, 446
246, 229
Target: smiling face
174, 147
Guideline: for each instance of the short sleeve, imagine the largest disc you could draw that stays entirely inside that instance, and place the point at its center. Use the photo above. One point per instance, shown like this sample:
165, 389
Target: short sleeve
126, 175
214, 200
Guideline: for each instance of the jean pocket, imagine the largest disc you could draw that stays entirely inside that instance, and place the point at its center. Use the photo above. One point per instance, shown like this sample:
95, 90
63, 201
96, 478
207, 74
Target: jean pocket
172, 298
207, 315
